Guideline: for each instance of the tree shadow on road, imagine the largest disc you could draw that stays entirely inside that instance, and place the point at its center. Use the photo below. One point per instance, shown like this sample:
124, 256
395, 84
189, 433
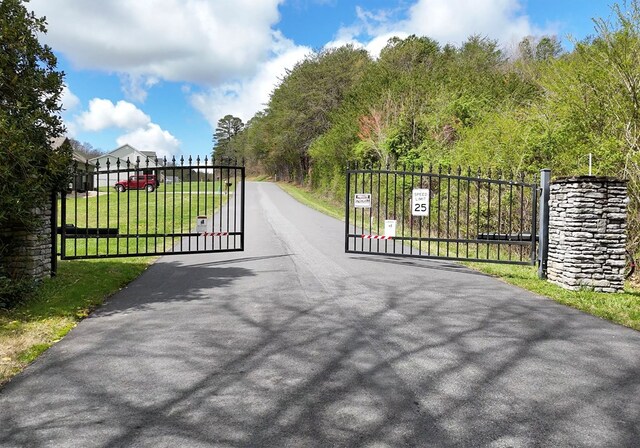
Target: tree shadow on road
422, 264
174, 282
304, 362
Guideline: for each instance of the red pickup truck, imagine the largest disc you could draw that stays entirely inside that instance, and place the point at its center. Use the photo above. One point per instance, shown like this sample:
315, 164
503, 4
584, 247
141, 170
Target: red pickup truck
138, 182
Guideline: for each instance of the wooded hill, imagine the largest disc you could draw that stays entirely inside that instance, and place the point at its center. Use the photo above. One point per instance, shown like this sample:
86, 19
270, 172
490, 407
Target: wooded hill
476, 105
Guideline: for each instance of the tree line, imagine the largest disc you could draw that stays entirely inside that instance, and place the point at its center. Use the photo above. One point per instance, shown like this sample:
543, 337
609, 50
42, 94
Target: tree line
476, 104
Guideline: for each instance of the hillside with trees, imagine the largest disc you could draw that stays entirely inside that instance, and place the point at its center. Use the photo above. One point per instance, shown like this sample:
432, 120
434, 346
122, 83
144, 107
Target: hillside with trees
477, 105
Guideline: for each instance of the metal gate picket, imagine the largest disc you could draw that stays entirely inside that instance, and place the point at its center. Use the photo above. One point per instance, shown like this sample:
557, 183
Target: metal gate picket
441, 215
162, 207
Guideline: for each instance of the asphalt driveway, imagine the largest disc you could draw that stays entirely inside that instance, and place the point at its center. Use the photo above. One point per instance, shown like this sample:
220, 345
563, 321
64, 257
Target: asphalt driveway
295, 344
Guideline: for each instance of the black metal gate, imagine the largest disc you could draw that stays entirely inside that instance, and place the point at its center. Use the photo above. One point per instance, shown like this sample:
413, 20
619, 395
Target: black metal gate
155, 207
442, 215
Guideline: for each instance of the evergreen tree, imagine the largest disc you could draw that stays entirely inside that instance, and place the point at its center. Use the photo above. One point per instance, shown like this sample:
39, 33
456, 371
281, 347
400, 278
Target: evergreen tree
227, 128
30, 89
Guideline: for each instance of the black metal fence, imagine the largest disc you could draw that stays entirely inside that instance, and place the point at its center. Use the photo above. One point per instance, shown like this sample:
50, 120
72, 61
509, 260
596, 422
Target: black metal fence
443, 214
121, 208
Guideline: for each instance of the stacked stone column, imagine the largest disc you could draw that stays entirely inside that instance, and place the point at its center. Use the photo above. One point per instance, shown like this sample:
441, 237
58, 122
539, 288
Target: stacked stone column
587, 233
28, 251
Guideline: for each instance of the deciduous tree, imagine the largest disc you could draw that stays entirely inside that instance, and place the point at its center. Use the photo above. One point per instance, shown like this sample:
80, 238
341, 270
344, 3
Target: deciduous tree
85, 149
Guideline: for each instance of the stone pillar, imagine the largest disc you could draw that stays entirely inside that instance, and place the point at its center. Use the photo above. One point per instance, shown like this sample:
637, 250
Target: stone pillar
587, 233
28, 252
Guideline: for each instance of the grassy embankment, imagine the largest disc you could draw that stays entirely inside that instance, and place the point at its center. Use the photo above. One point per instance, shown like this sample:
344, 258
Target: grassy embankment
82, 285
621, 308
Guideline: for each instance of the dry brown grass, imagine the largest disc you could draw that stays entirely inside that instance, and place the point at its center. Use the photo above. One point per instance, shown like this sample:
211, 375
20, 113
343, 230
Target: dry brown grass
20, 341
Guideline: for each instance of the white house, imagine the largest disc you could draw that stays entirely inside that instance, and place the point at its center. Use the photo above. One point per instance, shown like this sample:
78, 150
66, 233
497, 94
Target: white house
123, 162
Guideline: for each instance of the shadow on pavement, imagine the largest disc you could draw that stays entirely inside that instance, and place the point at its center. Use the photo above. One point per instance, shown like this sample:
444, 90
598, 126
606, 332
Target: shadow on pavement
423, 264
299, 367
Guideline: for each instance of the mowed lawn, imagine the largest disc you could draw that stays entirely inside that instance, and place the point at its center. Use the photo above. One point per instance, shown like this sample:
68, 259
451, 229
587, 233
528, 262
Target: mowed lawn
137, 221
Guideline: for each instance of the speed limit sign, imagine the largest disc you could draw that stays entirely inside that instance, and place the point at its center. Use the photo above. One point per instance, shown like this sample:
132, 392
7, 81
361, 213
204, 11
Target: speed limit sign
420, 202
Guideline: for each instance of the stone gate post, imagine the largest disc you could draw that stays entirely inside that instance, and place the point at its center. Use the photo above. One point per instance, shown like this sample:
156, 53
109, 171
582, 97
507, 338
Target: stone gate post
27, 252
587, 233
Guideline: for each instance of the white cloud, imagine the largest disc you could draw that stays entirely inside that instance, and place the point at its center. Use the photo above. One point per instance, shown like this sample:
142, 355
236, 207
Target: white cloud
447, 21
69, 102
243, 98
141, 132
151, 138
103, 114
137, 87
68, 99
197, 41
453, 21
374, 46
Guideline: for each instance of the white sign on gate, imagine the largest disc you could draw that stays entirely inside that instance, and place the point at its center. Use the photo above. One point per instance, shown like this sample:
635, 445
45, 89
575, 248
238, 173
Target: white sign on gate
390, 228
420, 202
201, 224
362, 200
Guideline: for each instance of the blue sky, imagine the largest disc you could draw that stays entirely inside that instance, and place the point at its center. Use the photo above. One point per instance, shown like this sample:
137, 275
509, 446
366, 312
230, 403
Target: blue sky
158, 74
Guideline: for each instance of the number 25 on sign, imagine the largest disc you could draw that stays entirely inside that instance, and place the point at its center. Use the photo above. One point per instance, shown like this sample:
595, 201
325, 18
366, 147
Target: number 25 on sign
420, 202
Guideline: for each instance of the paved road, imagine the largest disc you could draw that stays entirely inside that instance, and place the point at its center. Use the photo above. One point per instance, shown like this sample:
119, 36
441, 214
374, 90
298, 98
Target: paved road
295, 344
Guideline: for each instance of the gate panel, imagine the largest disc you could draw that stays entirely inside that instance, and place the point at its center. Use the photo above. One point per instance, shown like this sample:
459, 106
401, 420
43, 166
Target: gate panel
125, 209
441, 215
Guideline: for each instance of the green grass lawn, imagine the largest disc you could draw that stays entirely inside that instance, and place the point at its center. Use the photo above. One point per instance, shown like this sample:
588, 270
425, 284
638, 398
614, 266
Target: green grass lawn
185, 187
165, 211
623, 308
323, 204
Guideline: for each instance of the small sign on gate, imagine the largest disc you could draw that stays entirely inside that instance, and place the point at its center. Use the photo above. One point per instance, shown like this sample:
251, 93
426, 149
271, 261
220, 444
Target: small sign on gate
390, 228
362, 200
201, 224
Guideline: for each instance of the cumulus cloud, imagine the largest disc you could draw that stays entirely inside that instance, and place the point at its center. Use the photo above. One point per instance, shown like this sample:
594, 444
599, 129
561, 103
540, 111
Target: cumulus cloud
453, 21
197, 41
103, 114
69, 102
141, 132
373, 46
68, 99
447, 21
151, 138
137, 87
243, 98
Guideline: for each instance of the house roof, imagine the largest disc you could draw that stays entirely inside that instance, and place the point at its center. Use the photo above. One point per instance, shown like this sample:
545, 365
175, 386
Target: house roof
127, 151
76, 156
58, 141
79, 157
126, 154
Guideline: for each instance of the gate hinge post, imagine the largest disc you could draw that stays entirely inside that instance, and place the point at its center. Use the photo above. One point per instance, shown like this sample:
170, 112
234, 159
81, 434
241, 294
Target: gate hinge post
346, 208
543, 251
54, 233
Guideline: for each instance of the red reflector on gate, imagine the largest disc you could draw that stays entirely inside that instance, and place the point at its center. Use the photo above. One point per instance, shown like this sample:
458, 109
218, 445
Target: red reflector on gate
377, 237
